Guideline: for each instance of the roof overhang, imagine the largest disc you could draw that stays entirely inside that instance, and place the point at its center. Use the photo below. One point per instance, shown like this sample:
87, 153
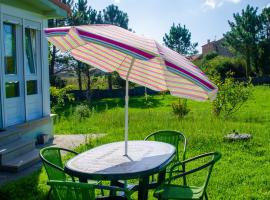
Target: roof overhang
48, 8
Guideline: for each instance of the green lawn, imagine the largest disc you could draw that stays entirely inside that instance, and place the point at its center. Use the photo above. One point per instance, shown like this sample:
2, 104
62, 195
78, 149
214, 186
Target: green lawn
242, 173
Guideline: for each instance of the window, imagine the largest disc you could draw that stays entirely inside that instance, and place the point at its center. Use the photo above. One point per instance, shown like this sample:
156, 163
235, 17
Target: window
30, 49
10, 48
31, 87
12, 89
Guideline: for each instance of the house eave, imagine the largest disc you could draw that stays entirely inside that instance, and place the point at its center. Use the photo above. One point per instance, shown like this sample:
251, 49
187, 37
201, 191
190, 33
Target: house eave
47, 8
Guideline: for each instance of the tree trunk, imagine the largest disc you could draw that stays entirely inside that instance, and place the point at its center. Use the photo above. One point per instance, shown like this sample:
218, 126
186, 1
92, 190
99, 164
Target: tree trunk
248, 62
88, 94
79, 74
52, 65
110, 83
256, 60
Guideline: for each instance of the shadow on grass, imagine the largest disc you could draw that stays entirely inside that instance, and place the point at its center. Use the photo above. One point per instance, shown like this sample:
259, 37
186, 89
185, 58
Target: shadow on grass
24, 188
153, 101
134, 102
249, 119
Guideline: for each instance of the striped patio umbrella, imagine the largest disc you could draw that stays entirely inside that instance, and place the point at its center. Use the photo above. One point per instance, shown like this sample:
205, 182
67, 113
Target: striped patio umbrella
136, 58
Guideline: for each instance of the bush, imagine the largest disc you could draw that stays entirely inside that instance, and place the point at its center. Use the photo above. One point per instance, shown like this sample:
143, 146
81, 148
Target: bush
61, 97
231, 96
210, 56
221, 65
82, 112
180, 108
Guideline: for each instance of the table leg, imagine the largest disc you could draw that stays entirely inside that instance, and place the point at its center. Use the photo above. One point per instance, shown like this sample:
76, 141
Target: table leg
143, 188
113, 183
161, 177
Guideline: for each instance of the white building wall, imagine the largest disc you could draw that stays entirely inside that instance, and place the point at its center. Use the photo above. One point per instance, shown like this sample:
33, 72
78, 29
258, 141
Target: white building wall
26, 15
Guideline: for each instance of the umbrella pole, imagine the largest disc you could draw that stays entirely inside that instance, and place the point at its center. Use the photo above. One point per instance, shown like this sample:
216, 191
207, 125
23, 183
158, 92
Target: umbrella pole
126, 107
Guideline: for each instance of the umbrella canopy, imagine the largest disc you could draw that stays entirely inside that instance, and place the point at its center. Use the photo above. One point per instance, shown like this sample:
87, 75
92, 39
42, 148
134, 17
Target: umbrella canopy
136, 58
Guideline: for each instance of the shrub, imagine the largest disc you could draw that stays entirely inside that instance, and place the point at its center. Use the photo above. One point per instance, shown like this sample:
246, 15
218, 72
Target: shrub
147, 99
82, 112
180, 108
210, 56
221, 65
61, 97
231, 96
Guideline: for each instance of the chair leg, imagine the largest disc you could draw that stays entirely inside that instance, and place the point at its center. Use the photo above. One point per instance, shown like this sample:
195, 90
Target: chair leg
49, 194
206, 196
102, 191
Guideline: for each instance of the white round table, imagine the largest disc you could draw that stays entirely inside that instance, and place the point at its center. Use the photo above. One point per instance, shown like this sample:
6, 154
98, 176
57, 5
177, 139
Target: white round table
107, 162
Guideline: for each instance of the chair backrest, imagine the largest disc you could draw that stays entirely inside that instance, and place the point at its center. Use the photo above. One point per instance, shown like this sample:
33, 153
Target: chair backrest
172, 137
62, 190
52, 160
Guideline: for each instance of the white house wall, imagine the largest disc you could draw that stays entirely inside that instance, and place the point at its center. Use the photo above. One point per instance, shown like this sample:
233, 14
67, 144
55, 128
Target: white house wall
26, 15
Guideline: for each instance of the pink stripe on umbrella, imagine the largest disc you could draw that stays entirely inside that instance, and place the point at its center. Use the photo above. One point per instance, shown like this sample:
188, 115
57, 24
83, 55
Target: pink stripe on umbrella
115, 43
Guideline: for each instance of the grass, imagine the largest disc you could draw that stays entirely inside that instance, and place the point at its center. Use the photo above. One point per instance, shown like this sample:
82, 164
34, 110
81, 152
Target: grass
242, 173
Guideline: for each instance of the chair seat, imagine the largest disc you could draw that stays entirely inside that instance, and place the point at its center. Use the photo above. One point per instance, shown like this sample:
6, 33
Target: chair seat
169, 191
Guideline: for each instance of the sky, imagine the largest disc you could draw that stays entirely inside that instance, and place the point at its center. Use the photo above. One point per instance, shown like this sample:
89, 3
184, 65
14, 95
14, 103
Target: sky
206, 19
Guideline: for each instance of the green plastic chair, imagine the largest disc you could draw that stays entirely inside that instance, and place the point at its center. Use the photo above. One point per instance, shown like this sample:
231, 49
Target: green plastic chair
64, 190
53, 162
173, 191
174, 138
54, 165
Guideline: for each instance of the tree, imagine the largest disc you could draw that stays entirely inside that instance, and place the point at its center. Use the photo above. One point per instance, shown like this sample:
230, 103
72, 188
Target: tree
112, 15
179, 39
83, 14
52, 49
243, 37
264, 44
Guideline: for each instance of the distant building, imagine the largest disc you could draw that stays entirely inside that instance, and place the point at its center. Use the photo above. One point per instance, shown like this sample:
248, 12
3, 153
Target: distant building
216, 46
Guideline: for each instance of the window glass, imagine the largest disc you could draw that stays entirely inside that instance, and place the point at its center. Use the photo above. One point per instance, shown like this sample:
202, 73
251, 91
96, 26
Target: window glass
31, 87
10, 48
12, 89
30, 49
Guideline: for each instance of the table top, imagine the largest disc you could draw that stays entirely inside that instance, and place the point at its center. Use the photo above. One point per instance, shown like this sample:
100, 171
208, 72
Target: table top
107, 162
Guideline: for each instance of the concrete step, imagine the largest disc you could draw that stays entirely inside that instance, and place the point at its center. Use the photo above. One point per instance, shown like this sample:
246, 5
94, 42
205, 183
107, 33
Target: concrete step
15, 149
9, 135
21, 162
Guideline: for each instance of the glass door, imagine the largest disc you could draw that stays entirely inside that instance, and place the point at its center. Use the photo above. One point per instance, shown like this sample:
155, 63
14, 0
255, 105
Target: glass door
13, 83
32, 70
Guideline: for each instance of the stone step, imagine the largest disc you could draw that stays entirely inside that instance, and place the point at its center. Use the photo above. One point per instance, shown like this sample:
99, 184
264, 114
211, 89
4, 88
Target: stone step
15, 149
9, 135
21, 162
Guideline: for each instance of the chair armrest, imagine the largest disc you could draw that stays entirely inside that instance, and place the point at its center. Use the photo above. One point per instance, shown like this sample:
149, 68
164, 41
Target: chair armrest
176, 165
198, 157
216, 155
